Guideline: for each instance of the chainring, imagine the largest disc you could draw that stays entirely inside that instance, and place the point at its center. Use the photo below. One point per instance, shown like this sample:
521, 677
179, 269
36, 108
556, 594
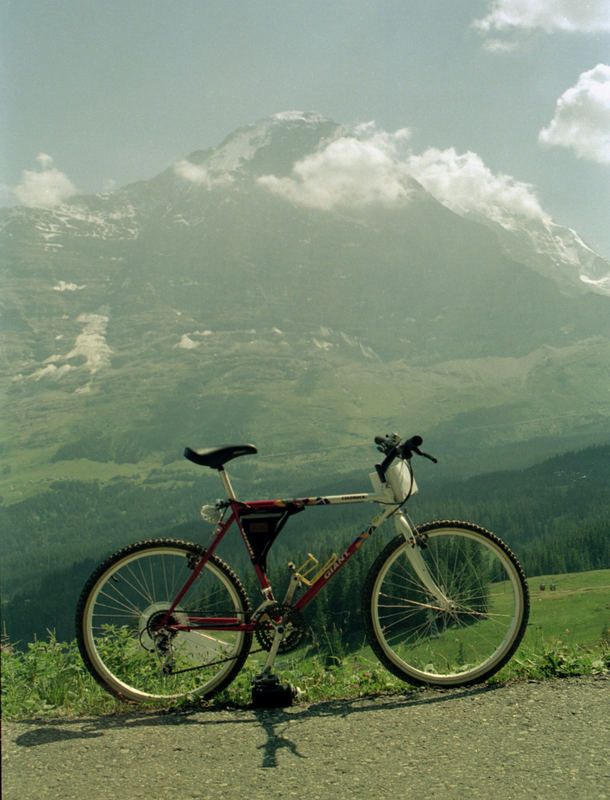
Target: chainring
275, 615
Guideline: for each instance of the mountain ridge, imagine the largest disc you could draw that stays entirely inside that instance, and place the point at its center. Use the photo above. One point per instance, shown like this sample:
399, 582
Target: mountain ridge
196, 307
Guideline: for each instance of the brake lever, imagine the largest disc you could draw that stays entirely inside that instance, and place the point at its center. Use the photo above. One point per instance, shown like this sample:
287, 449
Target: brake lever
425, 455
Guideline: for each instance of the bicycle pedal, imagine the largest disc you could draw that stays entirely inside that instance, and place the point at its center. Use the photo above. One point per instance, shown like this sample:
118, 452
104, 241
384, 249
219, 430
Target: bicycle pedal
270, 693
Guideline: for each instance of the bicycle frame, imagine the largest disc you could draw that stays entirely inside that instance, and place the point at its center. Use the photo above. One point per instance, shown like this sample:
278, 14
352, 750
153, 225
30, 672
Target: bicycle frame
239, 509
444, 603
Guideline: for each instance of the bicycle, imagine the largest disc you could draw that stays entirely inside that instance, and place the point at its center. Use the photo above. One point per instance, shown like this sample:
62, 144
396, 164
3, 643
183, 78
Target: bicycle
445, 603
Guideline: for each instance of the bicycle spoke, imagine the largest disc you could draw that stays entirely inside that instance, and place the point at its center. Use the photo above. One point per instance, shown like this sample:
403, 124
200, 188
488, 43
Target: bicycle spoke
131, 653
469, 629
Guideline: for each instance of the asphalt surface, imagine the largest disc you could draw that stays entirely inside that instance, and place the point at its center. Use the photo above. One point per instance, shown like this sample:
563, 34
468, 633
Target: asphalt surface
521, 740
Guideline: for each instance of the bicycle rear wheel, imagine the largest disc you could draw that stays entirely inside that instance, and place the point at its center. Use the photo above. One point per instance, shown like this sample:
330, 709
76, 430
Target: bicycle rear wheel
122, 604
460, 640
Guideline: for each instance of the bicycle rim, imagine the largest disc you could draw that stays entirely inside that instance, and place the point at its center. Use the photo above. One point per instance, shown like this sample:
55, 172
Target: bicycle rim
121, 604
464, 637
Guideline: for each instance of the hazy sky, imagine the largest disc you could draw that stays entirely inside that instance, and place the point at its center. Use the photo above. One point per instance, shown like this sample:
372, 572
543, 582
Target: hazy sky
99, 93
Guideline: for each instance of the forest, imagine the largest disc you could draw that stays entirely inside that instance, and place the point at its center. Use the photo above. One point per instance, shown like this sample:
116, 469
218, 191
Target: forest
554, 516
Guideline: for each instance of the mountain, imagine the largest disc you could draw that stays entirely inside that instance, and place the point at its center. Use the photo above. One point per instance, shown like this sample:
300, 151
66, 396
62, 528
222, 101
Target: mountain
213, 303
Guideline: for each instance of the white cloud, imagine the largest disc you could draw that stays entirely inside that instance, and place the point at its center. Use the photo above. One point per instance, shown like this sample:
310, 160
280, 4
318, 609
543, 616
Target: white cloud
195, 173
191, 172
546, 15
502, 45
350, 171
376, 169
463, 183
45, 160
46, 188
582, 117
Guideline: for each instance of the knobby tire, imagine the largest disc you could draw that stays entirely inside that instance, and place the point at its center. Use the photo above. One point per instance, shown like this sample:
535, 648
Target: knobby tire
427, 642
132, 589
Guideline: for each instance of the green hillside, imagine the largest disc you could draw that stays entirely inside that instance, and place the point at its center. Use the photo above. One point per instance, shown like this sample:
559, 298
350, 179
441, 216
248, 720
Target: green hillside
572, 609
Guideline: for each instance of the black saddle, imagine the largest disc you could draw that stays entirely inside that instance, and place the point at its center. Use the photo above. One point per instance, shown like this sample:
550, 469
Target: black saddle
215, 457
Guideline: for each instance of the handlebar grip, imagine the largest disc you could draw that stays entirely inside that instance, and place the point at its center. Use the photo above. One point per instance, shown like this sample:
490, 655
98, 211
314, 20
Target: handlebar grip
393, 447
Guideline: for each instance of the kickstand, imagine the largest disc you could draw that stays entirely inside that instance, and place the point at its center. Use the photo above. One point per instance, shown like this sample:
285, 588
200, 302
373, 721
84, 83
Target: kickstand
268, 692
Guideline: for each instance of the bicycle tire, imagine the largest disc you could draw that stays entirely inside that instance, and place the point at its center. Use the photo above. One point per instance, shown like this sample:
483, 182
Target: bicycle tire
124, 652
425, 642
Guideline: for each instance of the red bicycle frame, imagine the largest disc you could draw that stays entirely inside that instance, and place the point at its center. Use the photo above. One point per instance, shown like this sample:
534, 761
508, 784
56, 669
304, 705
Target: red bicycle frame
239, 509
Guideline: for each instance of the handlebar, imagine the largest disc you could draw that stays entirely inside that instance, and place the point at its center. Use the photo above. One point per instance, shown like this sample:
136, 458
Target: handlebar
393, 447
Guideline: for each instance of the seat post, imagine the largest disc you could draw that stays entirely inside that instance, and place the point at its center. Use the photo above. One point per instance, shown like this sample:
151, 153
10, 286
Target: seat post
226, 483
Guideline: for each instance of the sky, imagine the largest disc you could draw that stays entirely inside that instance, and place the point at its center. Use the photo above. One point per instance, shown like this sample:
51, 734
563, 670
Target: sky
503, 96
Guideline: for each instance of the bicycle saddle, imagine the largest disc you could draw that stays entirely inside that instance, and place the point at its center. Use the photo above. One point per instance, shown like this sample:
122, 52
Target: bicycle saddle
215, 457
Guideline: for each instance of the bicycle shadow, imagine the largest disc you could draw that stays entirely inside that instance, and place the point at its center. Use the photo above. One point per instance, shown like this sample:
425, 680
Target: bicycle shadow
270, 722
275, 722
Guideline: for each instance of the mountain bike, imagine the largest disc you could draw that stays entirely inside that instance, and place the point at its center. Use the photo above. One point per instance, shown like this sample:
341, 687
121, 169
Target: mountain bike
445, 603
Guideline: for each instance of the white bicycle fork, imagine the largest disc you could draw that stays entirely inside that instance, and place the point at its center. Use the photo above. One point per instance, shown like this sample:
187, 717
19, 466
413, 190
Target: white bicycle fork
419, 565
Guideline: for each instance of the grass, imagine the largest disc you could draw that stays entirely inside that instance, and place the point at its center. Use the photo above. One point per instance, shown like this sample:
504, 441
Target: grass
50, 680
575, 612
568, 634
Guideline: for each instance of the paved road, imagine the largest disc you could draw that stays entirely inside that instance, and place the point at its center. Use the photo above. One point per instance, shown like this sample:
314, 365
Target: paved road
522, 740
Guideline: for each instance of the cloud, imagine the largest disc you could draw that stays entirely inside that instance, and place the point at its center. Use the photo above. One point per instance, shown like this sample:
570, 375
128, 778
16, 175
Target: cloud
43, 189
546, 15
582, 117
191, 172
45, 160
502, 45
352, 171
195, 173
464, 184
375, 168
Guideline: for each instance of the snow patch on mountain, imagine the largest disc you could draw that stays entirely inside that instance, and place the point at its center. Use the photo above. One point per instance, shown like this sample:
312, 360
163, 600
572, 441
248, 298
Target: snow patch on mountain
557, 253
50, 371
115, 223
186, 343
309, 117
243, 145
91, 343
64, 286
220, 166
602, 285
326, 339
87, 218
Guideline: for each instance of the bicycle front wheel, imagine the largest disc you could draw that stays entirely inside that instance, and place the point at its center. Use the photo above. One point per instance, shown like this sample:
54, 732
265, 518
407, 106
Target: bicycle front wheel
119, 615
453, 617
